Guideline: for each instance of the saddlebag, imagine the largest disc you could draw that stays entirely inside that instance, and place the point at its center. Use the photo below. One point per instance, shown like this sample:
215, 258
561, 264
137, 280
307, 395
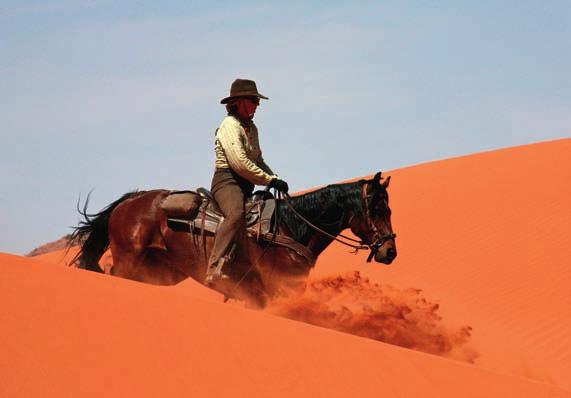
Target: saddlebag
182, 204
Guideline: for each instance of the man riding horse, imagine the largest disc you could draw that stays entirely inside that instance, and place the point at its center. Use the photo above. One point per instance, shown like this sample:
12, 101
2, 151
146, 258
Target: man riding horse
149, 246
239, 167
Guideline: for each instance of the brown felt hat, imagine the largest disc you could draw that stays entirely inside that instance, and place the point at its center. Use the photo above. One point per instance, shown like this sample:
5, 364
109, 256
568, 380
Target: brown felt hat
243, 88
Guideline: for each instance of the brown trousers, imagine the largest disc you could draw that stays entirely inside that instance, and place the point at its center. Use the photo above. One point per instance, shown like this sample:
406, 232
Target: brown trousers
230, 192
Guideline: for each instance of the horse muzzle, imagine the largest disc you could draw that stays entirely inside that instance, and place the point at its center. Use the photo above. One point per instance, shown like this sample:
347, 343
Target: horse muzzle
387, 257
383, 250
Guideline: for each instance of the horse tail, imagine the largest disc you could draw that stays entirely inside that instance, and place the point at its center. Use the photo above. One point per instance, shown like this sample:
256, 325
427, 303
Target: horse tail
92, 234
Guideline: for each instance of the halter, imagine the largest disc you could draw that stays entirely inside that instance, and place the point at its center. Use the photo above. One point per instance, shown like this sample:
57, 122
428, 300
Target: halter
374, 247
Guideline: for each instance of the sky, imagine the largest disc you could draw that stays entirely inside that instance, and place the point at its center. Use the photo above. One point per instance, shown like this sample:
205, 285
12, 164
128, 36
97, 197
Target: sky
106, 97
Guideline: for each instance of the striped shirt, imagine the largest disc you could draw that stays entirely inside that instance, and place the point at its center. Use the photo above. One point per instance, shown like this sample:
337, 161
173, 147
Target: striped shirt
240, 151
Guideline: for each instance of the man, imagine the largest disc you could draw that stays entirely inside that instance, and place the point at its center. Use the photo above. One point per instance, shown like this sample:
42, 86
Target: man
239, 167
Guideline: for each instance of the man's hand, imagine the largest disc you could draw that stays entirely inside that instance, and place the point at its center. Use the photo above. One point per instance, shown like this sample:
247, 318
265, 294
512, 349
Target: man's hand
280, 185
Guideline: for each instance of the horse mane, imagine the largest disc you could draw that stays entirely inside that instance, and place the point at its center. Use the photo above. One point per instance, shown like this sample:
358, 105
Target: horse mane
319, 206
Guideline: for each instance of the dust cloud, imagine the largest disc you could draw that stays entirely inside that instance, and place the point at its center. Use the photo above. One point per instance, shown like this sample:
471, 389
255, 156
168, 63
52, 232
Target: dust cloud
353, 304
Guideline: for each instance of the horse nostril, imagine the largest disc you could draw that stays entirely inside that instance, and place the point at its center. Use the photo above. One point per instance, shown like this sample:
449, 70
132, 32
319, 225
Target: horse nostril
391, 253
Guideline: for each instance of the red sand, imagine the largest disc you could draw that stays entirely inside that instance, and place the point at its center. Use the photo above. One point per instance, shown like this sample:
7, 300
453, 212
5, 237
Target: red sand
486, 236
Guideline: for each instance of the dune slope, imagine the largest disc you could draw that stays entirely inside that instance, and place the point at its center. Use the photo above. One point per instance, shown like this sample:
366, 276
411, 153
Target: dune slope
73, 333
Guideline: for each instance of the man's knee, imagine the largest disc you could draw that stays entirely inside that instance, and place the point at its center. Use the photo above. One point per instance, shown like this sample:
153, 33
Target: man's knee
235, 217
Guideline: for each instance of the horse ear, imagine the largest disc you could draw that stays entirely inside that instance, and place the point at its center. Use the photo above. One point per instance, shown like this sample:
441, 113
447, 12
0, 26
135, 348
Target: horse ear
377, 179
385, 183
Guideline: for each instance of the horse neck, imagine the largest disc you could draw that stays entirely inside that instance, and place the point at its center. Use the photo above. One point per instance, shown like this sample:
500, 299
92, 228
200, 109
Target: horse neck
329, 209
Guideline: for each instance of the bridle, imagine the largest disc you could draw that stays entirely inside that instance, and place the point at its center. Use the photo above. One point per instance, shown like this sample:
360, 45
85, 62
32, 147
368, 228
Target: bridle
379, 239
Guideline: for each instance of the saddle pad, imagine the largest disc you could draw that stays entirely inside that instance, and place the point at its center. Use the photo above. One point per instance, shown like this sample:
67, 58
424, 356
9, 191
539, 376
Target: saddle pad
182, 205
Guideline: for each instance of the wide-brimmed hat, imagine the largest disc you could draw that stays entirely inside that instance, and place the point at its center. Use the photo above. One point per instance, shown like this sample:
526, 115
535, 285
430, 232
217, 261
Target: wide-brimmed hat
243, 88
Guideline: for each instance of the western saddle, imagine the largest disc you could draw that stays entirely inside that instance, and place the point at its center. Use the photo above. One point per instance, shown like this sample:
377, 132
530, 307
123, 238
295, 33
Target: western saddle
197, 212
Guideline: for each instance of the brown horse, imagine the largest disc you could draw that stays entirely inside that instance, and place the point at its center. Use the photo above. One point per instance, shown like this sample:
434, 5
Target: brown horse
145, 249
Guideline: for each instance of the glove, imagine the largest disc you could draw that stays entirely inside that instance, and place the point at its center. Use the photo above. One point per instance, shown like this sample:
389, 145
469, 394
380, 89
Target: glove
280, 185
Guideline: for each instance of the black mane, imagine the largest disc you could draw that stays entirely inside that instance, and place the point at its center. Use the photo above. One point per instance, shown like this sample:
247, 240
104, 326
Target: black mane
327, 208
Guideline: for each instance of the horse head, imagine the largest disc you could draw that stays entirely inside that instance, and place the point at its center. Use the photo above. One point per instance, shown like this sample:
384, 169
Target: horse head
373, 224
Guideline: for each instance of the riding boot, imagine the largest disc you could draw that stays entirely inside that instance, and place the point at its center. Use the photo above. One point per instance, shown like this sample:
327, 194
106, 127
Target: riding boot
215, 272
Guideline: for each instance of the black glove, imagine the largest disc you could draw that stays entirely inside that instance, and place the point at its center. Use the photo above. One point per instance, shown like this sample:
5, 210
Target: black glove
280, 185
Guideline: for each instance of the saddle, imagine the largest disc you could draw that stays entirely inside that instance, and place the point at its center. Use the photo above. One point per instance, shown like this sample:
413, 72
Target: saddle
197, 212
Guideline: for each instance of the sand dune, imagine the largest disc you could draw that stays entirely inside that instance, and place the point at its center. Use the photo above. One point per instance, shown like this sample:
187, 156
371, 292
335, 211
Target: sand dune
485, 237
72, 333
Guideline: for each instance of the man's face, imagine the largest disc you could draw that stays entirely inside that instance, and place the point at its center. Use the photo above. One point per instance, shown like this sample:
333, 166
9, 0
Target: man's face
247, 107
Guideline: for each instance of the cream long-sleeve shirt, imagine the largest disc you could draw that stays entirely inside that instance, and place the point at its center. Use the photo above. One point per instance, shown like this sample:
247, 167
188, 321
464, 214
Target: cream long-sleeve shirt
240, 150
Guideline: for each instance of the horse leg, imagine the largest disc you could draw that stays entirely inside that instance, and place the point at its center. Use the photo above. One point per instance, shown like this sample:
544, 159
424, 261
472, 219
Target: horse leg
253, 292
147, 267
155, 268
124, 263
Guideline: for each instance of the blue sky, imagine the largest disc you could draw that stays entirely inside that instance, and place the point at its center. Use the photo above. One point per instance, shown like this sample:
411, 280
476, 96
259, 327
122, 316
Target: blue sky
112, 96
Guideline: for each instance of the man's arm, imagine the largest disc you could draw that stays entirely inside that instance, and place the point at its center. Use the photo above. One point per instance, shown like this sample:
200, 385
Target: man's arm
238, 160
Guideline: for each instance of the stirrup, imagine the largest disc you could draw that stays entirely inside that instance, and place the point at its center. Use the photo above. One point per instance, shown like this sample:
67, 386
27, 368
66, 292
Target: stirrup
215, 274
